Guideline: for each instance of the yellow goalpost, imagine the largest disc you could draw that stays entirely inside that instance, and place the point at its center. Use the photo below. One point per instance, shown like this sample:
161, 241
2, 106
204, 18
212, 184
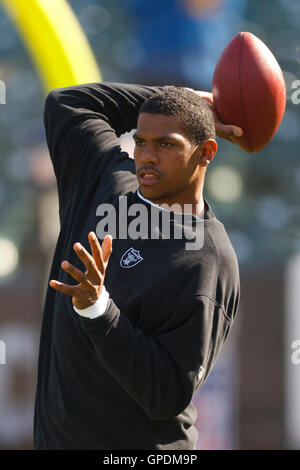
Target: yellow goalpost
55, 40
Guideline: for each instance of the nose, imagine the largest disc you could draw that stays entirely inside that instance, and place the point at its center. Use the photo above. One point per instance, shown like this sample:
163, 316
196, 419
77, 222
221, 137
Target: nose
148, 155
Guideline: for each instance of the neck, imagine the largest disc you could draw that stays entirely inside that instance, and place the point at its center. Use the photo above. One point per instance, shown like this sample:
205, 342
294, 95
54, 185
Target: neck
191, 202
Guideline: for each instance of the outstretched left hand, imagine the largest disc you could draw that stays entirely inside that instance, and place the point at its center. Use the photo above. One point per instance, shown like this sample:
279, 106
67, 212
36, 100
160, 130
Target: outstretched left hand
87, 292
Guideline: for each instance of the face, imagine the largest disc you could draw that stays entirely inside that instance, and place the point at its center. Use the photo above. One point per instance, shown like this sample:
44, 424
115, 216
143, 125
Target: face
169, 166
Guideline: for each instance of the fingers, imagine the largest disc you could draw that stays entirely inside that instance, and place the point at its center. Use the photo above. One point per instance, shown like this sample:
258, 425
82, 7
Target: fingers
61, 287
86, 258
107, 248
228, 131
74, 272
96, 251
101, 253
232, 131
95, 265
225, 131
207, 96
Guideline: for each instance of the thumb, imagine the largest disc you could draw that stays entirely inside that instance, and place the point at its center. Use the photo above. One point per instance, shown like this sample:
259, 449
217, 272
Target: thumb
237, 131
226, 131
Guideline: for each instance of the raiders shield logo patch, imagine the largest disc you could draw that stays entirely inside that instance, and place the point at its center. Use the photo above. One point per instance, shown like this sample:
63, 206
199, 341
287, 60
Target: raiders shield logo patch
130, 258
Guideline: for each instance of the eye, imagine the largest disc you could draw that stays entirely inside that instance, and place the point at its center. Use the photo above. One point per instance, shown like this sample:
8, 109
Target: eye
139, 143
166, 144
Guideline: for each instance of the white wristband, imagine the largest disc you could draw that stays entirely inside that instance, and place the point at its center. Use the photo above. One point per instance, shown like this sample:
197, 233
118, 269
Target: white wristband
97, 309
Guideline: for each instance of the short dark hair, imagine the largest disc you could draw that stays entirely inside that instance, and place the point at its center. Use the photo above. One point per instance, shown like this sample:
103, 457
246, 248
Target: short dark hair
193, 111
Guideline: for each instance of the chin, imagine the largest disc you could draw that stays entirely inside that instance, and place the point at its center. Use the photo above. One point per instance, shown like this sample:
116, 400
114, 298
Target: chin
150, 193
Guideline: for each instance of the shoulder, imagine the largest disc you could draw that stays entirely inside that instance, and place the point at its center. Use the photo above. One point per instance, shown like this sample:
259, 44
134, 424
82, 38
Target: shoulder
227, 291
219, 238
217, 244
212, 272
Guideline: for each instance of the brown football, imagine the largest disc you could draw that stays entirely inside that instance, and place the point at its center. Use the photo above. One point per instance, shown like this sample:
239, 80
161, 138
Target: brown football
249, 90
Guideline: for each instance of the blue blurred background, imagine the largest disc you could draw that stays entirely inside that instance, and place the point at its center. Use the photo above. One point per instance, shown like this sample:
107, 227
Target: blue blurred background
250, 399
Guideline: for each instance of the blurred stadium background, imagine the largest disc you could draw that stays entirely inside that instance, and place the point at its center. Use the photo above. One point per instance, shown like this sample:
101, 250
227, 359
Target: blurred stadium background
250, 400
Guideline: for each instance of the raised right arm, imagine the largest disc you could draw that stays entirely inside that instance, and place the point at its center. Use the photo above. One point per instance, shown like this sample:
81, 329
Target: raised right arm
83, 122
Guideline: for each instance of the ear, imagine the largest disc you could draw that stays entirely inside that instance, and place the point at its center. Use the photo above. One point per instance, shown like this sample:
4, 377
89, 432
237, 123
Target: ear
207, 151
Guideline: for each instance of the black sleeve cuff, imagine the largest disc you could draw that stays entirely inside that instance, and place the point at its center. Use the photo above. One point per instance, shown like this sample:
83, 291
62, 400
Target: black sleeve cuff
103, 322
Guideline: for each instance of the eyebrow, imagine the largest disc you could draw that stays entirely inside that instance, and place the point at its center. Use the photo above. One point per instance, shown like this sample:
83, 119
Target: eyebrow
164, 137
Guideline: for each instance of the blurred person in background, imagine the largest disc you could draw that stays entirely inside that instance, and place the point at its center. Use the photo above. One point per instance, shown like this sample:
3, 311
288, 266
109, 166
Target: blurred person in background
179, 41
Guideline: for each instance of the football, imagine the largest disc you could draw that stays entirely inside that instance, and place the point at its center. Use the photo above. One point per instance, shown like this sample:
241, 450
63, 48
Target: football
249, 90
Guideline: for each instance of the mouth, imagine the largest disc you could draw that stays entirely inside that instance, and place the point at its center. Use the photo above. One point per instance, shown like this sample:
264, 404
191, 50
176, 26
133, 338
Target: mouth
148, 177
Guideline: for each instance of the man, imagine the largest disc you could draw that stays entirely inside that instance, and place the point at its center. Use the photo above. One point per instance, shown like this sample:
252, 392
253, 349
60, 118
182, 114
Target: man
126, 344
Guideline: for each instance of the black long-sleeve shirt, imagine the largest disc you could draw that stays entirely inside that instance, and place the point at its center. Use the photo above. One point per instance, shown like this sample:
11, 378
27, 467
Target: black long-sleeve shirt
125, 380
